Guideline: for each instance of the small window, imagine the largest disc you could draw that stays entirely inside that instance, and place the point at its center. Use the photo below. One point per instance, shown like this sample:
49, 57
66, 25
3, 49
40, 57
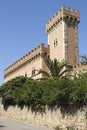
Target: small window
33, 71
55, 42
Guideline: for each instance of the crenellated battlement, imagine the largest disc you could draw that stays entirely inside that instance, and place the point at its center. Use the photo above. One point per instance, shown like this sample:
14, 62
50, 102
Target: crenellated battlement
30, 56
64, 13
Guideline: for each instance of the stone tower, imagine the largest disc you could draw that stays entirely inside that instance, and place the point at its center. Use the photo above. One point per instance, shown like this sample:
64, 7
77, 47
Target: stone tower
62, 31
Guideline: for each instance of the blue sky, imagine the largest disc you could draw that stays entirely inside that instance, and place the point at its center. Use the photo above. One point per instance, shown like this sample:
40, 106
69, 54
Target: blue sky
22, 26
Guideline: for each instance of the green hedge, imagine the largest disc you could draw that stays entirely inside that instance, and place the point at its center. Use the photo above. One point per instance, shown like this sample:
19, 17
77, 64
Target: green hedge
36, 94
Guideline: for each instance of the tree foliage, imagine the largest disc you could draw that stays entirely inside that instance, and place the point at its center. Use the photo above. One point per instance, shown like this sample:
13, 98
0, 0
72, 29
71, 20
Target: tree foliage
83, 59
56, 68
62, 92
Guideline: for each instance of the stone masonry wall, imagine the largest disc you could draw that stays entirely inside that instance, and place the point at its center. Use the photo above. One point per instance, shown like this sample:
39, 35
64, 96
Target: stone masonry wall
48, 119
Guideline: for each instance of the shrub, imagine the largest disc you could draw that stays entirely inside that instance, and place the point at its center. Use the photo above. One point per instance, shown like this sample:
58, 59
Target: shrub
36, 94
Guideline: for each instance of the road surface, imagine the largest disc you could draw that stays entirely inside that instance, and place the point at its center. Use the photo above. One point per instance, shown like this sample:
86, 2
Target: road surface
11, 124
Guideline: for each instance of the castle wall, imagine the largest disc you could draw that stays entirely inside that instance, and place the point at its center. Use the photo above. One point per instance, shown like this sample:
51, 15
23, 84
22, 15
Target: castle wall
72, 54
80, 69
28, 64
27, 70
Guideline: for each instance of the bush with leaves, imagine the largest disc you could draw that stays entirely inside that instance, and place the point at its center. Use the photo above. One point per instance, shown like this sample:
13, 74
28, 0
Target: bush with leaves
62, 92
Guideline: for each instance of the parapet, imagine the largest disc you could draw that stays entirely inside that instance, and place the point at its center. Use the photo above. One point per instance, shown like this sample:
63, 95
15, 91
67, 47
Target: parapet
64, 13
38, 51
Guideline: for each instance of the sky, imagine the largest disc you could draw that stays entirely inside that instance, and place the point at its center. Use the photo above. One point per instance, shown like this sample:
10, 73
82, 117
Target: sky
22, 27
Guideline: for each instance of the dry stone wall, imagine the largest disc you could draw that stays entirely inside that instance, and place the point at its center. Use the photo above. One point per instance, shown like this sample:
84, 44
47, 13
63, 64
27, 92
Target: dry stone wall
49, 119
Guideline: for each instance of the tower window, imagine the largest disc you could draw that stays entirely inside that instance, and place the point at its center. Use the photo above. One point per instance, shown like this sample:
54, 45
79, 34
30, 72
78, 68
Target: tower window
55, 42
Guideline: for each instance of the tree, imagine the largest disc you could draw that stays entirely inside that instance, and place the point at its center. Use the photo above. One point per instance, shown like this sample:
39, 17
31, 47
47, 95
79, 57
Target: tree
56, 69
83, 59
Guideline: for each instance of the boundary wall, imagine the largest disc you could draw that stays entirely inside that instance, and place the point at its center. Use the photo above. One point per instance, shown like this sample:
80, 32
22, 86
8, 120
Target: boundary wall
50, 118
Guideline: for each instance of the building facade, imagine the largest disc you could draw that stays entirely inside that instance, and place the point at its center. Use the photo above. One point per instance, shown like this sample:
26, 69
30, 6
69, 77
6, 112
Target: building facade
62, 33
28, 64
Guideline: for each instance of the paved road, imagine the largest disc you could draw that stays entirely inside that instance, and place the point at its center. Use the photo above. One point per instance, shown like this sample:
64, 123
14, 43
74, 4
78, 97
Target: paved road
10, 124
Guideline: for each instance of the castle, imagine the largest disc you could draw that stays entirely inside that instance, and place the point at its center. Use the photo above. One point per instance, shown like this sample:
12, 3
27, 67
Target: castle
62, 32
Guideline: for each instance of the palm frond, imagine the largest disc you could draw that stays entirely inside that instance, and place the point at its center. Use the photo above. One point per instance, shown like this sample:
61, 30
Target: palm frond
63, 72
56, 68
44, 72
